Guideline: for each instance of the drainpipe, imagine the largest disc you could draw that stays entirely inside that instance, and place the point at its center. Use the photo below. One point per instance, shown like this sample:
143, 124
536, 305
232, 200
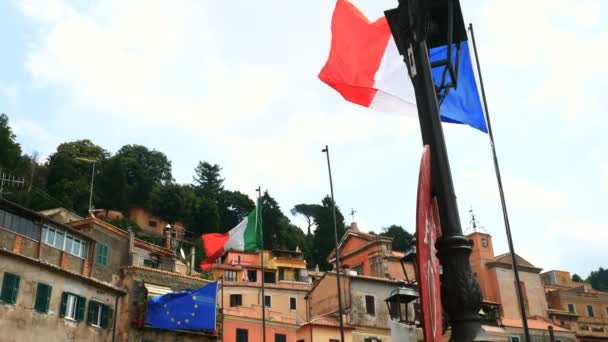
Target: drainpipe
115, 319
131, 247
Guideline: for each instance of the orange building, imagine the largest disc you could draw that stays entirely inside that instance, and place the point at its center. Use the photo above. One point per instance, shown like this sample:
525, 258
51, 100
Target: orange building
148, 223
497, 283
370, 255
285, 292
577, 306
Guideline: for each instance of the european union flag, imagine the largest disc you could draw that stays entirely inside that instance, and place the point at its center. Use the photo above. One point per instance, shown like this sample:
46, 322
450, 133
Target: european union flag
185, 310
462, 105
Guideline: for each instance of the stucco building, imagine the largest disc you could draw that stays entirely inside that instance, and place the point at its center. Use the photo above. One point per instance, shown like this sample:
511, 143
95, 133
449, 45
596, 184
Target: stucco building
577, 306
47, 286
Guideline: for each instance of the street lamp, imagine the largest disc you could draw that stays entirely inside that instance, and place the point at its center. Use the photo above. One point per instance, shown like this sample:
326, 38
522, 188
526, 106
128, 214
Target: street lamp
416, 26
92, 181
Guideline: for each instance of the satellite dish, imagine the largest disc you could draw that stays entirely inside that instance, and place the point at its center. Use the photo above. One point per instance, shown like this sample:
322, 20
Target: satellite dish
181, 252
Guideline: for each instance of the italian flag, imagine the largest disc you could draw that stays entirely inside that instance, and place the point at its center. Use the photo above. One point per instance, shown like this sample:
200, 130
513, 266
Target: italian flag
246, 236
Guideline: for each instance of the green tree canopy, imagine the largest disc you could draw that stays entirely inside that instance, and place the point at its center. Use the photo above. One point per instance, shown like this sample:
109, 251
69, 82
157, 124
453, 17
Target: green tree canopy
401, 238
309, 212
10, 150
172, 202
207, 179
577, 278
111, 185
144, 170
323, 238
233, 207
204, 218
599, 279
69, 179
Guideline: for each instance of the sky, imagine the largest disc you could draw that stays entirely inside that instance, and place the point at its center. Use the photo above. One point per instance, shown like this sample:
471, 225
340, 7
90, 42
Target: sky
235, 83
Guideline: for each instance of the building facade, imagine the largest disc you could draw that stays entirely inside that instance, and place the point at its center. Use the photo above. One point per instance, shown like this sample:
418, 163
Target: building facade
577, 306
47, 289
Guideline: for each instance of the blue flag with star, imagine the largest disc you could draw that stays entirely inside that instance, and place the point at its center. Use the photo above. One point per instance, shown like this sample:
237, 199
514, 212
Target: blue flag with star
185, 310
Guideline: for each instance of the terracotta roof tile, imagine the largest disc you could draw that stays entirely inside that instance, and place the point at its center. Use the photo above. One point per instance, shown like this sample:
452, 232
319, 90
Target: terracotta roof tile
327, 321
537, 323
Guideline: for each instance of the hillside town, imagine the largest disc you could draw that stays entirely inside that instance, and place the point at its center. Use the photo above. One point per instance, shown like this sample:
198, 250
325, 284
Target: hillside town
80, 277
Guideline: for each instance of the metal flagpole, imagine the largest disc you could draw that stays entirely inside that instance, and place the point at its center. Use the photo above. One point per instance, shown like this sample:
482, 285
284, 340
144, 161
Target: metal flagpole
257, 220
333, 206
222, 310
501, 191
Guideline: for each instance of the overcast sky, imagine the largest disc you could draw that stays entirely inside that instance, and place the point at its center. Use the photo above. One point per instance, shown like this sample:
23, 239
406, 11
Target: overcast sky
235, 83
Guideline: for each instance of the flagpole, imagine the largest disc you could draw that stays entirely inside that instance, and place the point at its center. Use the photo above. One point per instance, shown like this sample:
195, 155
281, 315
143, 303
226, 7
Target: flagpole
333, 206
222, 311
502, 194
257, 210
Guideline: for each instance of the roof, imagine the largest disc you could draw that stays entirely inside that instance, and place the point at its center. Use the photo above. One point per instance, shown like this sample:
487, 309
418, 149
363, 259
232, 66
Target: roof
561, 312
51, 267
327, 321
536, 322
377, 279
506, 260
50, 212
173, 274
353, 230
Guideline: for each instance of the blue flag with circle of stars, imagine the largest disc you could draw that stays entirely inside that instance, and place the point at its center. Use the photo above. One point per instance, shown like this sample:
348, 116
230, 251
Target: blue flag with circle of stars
185, 310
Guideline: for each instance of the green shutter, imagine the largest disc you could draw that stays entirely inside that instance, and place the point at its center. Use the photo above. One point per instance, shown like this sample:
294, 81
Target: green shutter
106, 315
102, 254
43, 297
10, 288
80, 305
64, 304
91, 312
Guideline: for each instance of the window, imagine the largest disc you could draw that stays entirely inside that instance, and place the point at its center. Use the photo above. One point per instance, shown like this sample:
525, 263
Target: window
372, 339
64, 241
19, 225
571, 308
152, 223
152, 263
590, 310
280, 338
333, 340
268, 301
281, 273
242, 335
72, 306
99, 314
514, 339
43, 298
230, 275
270, 277
292, 303
10, 288
370, 305
102, 254
296, 275
358, 269
252, 275
236, 300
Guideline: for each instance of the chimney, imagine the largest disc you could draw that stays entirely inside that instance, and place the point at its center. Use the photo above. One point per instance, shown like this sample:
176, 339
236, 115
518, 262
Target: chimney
168, 236
192, 258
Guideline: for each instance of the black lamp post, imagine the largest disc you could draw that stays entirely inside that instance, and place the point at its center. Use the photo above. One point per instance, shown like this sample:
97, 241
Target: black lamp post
418, 25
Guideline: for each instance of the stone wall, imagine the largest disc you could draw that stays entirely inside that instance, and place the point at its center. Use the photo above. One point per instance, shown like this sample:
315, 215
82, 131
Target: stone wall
118, 253
51, 255
358, 314
534, 289
20, 322
7, 239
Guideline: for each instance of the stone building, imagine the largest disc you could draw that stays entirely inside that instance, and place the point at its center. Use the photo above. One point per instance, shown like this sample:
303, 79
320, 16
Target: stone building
47, 288
577, 306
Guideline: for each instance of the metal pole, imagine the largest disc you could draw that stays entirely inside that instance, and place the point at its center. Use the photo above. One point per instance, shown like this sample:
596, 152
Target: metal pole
503, 202
91, 193
222, 308
333, 206
257, 211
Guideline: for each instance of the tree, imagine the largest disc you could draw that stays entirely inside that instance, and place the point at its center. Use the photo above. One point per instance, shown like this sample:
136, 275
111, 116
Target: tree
401, 238
273, 221
323, 239
233, 207
172, 202
309, 211
204, 218
10, 150
111, 185
69, 179
599, 279
144, 170
577, 278
208, 180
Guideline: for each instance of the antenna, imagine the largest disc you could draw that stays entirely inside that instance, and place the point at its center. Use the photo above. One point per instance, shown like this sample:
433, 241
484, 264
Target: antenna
474, 225
10, 181
352, 214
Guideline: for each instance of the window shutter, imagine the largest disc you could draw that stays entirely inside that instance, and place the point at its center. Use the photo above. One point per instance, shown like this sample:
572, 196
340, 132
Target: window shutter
10, 287
80, 305
106, 315
64, 304
15, 288
43, 295
91, 312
